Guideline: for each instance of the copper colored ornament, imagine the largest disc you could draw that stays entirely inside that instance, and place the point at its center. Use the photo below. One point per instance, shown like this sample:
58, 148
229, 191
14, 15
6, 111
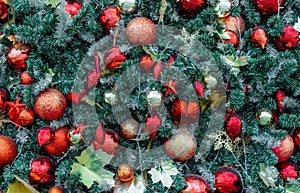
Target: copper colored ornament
234, 23
296, 138
288, 170
279, 96
259, 37
50, 104
16, 57
233, 38
195, 184
111, 142
42, 171
26, 79
56, 189
289, 40
181, 146
141, 31
8, 151
60, 143
285, 150
4, 97
129, 128
73, 7
153, 122
4, 10
146, 63
233, 126
199, 88
268, 7
190, 7
125, 173
227, 180
109, 17
114, 58
184, 112
45, 135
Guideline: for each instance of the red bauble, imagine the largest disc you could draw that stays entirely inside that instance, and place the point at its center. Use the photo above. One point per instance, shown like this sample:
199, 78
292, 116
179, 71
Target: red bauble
233, 38
73, 7
42, 171
288, 170
114, 58
109, 17
17, 55
4, 9
288, 40
153, 122
296, 138
147, 63
195, 184
19, 114
268, 7
110, 144
141, 31
45, 135
181, 146
227, 180
279, 99
8, 151
184, 112
285, 150
26, 79
199, 88
59, 143
4, 97
259, 37
50, 104
125, 173
56, 189
190, 7
234, 23
233, 126
129, 128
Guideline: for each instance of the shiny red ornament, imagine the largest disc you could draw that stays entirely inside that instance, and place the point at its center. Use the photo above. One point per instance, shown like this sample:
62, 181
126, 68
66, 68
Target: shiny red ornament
184, 112
227, 180
259, 37
289, 39
146, 63
19, 114
45, 135
234, 23
114, 58
56, 189
42, 171
285, 150
16, 57
4, 9
4, 97
75, 97
50, 104
195, 184
111, 142
233, 38
268, 7
288, 170
279, 99
73, 7
153, 122
233, 126
296, 138
158, 68
190, 7
8, 151
109, 17
199, 88
141, 31
26, 79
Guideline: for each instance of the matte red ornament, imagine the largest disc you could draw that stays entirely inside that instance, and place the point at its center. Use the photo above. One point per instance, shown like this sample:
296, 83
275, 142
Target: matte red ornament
184, 112
153, 122
73, 7
141, 31
45, 135
42, 171
259, 37
16, 57
111, 142
199, 88
4, 97
50, 104
289, 39
195, 184
285, 150
227, 180
279, 99
114, 58
288, 170
109, 17
233, 126
268, 7
296, 138
234, 38
56, 189
234, 23
146, 63
4, 9
190, 7
8, 151
26, 79
125, 172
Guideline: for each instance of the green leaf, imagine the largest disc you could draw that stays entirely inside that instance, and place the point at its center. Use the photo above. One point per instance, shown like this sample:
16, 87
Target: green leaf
163, 174
136, 185
90, 166
268, 174
241, 61
53, 3
20, 186
292, 188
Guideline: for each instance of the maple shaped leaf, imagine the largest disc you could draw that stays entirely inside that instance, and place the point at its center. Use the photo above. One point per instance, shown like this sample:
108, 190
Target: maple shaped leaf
163, 174
53, 3
20, 186
90, 166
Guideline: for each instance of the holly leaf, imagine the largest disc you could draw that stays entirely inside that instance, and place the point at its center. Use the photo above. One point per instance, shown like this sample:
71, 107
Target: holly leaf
297, 25
21, 186
136, 185
292, 188
163, 174
53, 3
268, 174
91, 167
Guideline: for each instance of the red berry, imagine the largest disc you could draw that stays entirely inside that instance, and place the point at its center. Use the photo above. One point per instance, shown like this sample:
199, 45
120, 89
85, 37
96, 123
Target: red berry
8, 151
288, 170
73, 7
288, 40
259, 37
109, 17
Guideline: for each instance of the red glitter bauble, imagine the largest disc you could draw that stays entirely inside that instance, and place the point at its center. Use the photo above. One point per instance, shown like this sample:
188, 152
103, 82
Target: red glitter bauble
259, 37
109, 17
268, 7
26, 79
288, 170
233, 38
288, 40
190, 7
227, 180
4, 96
285, 150
8, 151
17, 55
195, 184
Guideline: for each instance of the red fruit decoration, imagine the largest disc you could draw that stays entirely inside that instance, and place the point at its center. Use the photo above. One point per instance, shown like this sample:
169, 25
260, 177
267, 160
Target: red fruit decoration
199, 88
227, 180
153, 122
129, 128
141, 31
184, 112
8, 151
45, 135
16, 57
125, 172
4, 97
181, 146
56, 189
288, 170
233, 126
296, 138
59, 142
234, 23
195, 184
42, 171
110, 144
147, 63
73, 7
285, 150
26, 79
268, 7
4, 9
75, 97
288, 40
233, 38
279, 99
50, 104
190, 7
19, 114
109, 17
114, 58
259, 37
